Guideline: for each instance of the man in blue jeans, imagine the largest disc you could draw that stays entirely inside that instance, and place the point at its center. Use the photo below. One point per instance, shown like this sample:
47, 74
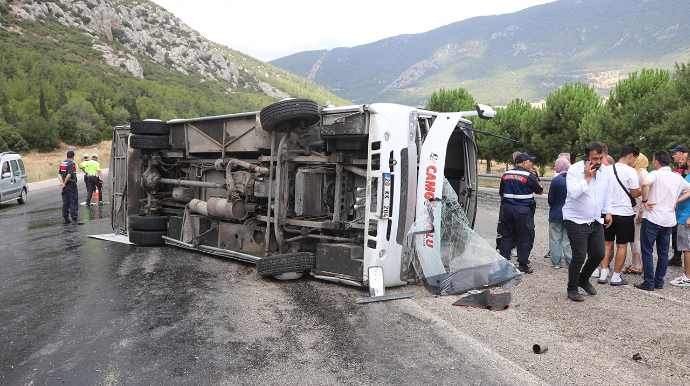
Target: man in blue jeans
588, 200
660, 194
559, 245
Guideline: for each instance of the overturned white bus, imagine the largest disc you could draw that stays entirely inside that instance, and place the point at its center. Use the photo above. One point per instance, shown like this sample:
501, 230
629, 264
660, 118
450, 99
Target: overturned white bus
297, 187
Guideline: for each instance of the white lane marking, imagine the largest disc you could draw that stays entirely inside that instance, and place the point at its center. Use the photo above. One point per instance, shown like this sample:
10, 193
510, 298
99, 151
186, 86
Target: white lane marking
523, 375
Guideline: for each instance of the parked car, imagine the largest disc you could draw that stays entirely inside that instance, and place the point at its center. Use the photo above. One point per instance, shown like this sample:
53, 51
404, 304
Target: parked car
13, 184
297, 187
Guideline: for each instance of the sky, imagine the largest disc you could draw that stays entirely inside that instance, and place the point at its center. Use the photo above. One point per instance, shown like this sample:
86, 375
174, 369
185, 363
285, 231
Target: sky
270, 29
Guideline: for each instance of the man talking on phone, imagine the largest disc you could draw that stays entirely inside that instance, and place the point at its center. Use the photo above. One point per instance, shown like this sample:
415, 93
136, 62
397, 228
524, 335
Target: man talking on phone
586, 212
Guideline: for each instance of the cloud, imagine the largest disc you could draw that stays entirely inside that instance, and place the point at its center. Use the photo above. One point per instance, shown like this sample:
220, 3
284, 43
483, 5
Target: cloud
272, 29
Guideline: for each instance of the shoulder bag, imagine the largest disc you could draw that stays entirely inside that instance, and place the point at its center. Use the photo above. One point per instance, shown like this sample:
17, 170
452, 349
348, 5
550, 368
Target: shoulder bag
632, 199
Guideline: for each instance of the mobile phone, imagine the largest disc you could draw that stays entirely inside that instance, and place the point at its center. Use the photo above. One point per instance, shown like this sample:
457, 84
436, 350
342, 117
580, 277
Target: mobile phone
585, 159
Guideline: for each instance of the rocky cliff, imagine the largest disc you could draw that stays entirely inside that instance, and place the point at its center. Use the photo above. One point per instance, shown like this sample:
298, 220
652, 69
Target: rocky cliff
125, 31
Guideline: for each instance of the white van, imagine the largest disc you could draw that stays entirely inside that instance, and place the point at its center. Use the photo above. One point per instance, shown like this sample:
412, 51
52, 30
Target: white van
13, 184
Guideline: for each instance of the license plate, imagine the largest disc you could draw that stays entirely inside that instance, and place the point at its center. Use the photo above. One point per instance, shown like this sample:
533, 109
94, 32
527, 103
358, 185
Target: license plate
386, 201
376, 287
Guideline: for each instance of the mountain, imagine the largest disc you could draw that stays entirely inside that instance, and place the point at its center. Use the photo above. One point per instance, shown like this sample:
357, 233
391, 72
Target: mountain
127, 32
70, 70
526, 54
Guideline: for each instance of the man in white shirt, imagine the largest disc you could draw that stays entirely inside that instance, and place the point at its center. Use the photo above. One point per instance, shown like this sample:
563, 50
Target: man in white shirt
625, 187
588, 199
660, 191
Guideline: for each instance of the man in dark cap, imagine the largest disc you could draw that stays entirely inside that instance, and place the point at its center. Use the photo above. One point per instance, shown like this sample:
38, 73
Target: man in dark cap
498, 225
67, 175
517, 190
679, 155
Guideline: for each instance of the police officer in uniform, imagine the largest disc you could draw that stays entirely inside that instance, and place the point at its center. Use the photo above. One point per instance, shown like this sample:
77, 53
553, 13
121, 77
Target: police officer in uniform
517, 190
498, 225
67, 175
95, 177
81, 166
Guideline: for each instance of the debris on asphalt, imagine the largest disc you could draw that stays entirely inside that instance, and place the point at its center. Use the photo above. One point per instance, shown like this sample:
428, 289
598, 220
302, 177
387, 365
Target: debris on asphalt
485, 299
372, 299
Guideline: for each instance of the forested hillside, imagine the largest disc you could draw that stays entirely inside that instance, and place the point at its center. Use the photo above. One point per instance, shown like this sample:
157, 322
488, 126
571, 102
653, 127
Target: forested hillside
70, 71
525, 54
650, 108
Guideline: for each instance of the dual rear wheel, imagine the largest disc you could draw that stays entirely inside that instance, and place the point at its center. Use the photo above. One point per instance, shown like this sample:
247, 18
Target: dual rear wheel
147, 230
149, 135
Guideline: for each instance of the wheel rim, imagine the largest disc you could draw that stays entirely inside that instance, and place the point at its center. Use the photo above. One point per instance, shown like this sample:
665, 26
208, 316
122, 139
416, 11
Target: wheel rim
289, 275
23, 195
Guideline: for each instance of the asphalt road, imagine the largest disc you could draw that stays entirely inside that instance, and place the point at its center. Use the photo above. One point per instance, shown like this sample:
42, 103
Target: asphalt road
76, 310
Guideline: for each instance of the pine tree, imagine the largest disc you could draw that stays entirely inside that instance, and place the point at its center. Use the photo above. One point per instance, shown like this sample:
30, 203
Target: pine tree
42, 104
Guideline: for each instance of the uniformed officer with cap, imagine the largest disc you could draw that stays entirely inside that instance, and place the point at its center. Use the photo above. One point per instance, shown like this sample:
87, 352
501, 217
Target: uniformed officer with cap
95, 176
517, 190
67, 175
81, 166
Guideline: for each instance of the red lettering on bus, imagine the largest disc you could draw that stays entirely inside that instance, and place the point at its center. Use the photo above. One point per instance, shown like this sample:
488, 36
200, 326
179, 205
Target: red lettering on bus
430, 185
430, 240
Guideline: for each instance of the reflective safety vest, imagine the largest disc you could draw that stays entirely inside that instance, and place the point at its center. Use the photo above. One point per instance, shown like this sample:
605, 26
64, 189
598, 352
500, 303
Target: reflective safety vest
91, 167
515, 189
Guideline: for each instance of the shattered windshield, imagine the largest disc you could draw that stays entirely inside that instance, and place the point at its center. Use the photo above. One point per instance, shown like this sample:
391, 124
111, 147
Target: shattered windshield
464, 261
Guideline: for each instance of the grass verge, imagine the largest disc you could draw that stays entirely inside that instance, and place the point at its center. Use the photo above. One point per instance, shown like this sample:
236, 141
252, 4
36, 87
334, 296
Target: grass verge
44, 166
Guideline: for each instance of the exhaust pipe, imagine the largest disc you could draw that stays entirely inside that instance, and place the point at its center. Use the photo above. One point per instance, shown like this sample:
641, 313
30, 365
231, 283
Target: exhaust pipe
220, 207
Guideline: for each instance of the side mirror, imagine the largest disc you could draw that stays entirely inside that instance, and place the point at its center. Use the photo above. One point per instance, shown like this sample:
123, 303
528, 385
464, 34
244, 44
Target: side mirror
6, 175
485, 112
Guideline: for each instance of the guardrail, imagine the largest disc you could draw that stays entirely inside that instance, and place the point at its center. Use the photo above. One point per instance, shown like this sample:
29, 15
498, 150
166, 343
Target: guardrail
493, 180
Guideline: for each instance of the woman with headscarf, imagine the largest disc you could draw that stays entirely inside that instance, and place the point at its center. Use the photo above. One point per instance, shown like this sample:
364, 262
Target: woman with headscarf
558, 237
640, 164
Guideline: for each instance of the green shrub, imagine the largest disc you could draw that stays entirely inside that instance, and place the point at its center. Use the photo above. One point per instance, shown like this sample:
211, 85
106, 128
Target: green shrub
26, 128
3, 146
4, 8
78, 122
151, 51
119, 35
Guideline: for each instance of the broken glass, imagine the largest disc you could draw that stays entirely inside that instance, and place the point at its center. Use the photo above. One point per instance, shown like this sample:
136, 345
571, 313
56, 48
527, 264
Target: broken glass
464, 261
